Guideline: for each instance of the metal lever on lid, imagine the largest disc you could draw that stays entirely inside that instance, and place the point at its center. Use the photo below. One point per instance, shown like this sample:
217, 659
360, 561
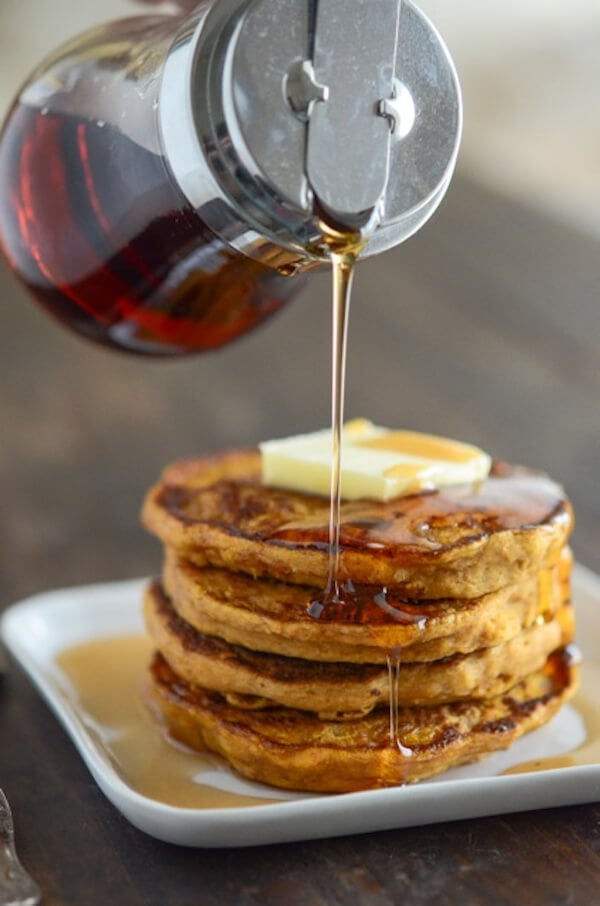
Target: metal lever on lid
349, 136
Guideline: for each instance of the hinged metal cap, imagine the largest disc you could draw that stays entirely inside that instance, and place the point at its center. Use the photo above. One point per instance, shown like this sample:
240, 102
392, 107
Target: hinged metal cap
351, 107
348, 141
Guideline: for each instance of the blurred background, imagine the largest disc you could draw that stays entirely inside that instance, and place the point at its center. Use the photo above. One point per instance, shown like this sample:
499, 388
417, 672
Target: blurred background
75, 420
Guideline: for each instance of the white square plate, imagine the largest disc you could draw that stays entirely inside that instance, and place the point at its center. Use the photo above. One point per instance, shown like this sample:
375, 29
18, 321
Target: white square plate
37, 630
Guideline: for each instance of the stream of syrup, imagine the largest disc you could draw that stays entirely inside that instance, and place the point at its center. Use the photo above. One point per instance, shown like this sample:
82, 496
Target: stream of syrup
343, 264
344, 249
341, 599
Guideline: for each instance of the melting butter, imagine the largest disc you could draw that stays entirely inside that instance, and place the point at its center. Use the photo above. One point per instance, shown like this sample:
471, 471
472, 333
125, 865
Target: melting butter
377, 463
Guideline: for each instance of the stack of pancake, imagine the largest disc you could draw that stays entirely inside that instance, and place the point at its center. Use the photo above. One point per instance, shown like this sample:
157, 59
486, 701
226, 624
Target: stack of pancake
451, 638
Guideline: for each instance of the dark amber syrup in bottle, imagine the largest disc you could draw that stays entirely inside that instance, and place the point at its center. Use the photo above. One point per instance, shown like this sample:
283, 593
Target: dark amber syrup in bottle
95, 226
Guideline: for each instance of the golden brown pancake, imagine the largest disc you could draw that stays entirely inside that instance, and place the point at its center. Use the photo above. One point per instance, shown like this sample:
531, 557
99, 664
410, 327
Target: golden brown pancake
272, 616
295, 750
459, 542
341, 690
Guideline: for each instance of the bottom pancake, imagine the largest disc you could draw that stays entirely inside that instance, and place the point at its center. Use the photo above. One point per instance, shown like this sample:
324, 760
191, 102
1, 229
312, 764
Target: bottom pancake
295, 750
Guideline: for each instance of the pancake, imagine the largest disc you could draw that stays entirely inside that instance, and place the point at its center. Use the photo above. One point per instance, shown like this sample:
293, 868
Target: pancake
272, 616
295, 750
341, 690
458, 542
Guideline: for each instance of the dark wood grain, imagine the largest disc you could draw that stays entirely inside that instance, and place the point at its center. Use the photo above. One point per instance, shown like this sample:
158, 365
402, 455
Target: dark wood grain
485, 327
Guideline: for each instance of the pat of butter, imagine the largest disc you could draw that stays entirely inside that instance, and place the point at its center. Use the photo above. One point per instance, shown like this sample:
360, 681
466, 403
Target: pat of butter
376, 462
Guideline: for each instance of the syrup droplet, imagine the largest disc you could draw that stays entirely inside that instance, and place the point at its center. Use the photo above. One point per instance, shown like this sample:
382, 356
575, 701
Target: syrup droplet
394, 659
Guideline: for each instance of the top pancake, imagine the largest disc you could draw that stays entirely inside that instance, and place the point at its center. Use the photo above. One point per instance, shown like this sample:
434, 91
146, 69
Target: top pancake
458, 542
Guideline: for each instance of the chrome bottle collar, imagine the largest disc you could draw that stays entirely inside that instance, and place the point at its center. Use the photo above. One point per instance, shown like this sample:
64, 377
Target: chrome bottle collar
275, 111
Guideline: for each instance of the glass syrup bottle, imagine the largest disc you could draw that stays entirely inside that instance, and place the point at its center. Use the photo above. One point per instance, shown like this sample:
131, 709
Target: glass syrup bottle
164, 179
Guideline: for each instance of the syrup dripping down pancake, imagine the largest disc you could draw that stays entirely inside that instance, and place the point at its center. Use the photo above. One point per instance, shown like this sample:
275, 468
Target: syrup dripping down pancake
295, 750
340, 690
272, 616
459, 542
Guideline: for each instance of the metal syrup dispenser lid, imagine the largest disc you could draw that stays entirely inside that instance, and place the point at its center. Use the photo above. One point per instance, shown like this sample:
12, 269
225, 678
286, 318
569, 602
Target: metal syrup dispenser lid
299, 107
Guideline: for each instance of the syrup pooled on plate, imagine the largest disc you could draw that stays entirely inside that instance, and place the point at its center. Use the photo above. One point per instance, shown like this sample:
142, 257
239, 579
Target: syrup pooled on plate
588, 753
105, 675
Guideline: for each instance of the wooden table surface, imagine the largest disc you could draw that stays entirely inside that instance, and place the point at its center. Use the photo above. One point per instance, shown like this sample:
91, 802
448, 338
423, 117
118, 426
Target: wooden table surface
485, 327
